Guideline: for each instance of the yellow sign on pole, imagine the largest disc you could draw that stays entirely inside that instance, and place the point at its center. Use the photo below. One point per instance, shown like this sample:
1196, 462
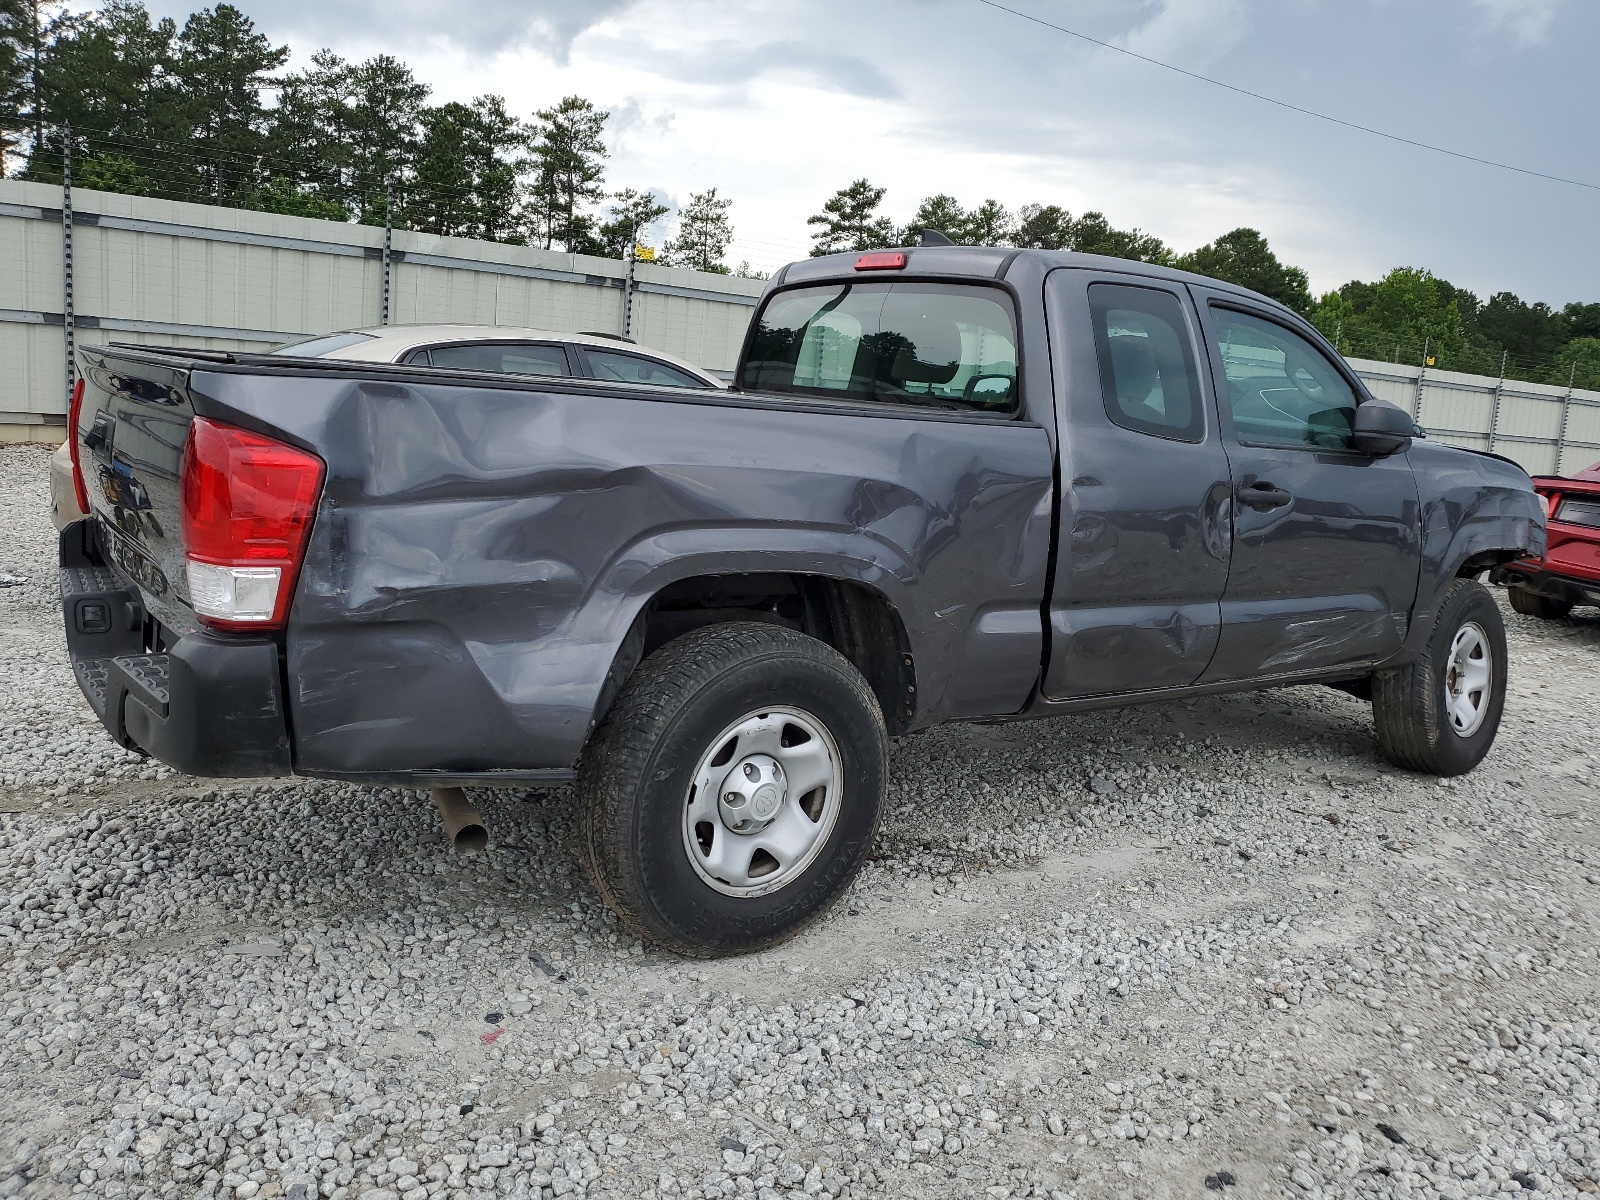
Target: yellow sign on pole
644, 253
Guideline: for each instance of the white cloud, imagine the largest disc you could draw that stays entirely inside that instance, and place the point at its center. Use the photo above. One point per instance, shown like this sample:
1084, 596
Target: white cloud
1526, 20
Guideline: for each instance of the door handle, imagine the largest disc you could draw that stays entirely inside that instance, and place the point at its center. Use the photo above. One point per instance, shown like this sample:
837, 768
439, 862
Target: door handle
1263, 495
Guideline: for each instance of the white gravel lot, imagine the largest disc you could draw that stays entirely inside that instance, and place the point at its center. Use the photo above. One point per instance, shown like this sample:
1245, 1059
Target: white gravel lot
1206, 947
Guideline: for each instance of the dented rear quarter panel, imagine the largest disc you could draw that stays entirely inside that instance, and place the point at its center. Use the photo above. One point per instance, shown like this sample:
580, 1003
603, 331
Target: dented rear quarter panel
481, 552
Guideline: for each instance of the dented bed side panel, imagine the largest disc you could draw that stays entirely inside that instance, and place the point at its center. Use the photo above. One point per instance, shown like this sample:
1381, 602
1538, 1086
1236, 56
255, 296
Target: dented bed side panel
480, 554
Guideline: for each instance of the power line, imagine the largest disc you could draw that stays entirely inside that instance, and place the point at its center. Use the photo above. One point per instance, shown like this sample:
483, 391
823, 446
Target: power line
1306, 112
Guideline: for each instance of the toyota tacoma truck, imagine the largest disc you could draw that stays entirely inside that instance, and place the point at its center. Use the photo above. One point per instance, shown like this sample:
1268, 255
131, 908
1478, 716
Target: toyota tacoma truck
1568, 574
949, 483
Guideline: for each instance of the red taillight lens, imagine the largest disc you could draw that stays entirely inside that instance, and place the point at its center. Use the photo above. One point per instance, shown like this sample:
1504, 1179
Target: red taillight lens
248, 503
881, 261
74, 410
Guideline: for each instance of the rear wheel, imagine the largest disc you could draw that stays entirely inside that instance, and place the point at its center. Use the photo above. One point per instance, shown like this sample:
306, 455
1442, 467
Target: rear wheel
1440, 713
1532, 604
733, 791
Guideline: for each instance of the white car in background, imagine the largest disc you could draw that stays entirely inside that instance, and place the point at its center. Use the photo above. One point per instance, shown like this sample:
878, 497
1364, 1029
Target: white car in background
603, 357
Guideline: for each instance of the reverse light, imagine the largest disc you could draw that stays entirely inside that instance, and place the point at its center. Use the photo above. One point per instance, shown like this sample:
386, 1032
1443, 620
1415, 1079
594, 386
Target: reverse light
248, 503
73, 411
882, 260
1544, 504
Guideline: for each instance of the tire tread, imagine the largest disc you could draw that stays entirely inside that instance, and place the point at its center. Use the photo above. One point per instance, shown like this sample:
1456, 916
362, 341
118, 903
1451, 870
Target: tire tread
619, 751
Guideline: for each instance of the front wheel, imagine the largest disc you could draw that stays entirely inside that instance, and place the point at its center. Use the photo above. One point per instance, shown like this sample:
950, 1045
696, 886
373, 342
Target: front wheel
1440, 713
1531, 604
734, 789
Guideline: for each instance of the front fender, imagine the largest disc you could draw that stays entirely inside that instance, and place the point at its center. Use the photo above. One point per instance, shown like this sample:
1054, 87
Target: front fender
1474, 507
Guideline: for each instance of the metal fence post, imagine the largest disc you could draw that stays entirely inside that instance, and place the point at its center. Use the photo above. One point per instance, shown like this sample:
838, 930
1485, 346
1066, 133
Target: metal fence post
388, 242
1566, 414
1499, 392
627, 297
1422, 377
69, 329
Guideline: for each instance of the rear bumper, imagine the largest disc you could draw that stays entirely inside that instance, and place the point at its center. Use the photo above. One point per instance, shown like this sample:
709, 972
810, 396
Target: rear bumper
1546, 583
207, 706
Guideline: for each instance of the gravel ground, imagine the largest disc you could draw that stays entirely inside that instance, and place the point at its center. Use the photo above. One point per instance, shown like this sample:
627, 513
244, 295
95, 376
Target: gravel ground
1206, 947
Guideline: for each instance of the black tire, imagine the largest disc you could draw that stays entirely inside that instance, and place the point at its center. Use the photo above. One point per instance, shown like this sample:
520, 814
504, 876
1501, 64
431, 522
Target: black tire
1408, 703
1532, 604
635, 775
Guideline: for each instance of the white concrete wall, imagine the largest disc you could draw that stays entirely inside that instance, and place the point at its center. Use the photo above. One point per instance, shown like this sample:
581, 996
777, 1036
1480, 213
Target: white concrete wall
159, 272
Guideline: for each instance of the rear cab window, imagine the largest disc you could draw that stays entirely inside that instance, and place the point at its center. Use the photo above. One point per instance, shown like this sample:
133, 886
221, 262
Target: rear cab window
931, 345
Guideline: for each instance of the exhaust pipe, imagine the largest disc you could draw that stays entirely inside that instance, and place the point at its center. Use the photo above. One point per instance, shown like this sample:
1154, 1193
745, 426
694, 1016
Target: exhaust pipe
462, 824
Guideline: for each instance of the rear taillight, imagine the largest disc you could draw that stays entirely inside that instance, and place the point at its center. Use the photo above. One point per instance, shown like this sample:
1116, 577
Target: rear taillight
74, 410
248, 502
1544, 504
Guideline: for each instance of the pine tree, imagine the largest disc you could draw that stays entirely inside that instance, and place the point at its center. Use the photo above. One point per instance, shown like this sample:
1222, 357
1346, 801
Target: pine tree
348, 131
108, 75
704, 234
632, 213
850, 221
221, 70
465, 183
1044, 227
15, 40
569, 154
940, 213
988, 225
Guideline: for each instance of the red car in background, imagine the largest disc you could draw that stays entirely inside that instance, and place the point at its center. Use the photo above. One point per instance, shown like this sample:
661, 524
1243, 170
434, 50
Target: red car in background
1569, 572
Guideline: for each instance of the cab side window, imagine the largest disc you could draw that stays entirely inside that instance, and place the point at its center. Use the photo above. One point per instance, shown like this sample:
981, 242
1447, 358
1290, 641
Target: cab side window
1282, 390
1147, 367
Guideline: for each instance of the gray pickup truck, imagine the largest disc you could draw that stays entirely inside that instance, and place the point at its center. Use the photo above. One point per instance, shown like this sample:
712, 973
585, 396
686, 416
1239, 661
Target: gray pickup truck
949, 483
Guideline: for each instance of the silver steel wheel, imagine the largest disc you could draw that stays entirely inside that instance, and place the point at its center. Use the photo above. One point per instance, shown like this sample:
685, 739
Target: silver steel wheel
765, 797
1469, 670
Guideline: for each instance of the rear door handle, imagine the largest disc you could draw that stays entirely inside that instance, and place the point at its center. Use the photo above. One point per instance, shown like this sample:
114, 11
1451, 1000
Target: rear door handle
1262, 496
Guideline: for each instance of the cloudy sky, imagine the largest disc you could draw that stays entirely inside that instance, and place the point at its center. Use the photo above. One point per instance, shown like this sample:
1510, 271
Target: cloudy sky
779, 102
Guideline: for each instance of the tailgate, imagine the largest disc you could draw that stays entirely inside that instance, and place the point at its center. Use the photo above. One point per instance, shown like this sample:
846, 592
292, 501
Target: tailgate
131, 433
159, 683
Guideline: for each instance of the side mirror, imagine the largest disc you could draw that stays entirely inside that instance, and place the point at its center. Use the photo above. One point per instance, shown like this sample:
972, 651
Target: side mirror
1382, 428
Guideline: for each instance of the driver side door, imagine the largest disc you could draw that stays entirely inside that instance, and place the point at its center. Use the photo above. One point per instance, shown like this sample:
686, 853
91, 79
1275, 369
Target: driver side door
1325, 538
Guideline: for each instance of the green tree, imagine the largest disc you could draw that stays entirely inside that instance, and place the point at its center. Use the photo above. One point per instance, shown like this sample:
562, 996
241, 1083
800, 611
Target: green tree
569, 154
281, 195
1579, 363
1093, 234
15, 43
347, 131
222, 68
941, 213
113, 173
1403, 316
1044, 227
704, 234
988, 225
25, 34
850, 221
108, 74
632, 212
1243, 257
465, 183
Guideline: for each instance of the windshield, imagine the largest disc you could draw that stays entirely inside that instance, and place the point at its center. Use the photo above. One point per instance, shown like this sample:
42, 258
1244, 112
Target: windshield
316, 347
939, 345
